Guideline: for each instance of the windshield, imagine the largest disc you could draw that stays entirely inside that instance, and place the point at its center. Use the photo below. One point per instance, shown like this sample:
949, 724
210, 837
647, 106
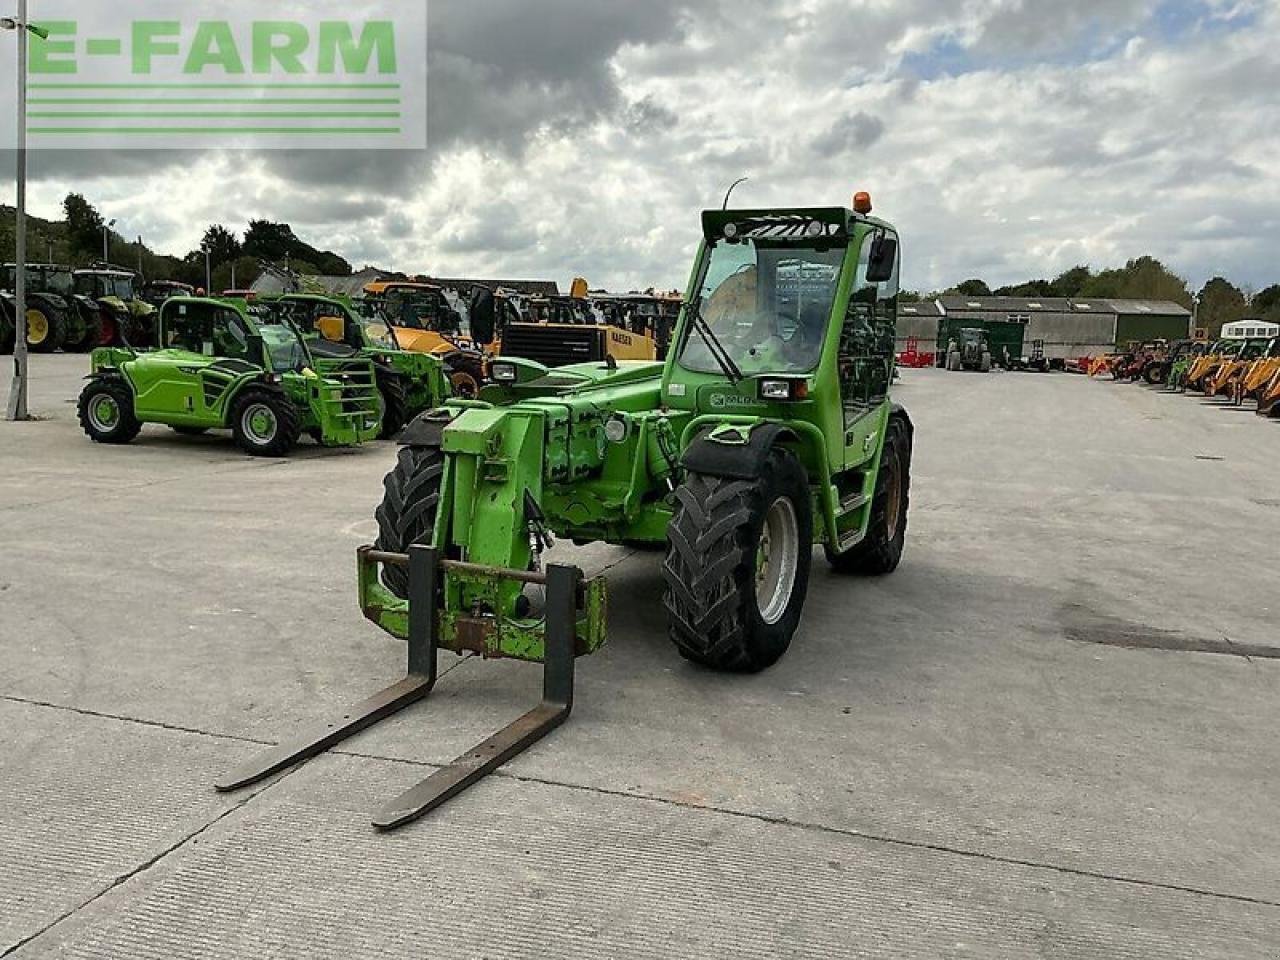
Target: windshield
380, 335
286, 350
768, 302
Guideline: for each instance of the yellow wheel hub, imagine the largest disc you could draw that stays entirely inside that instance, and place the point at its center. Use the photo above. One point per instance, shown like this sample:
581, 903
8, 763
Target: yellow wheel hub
37, 327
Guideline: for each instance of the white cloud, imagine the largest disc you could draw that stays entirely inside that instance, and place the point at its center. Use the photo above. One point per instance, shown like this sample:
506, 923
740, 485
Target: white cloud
1008, 139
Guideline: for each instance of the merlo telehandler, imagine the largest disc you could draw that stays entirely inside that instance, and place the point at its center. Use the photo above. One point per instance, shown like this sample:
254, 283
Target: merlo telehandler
768, 431
408, 383
219, 368
1258, 374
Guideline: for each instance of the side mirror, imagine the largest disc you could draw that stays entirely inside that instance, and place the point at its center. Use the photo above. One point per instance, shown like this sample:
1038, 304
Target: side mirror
884, 257
483, 316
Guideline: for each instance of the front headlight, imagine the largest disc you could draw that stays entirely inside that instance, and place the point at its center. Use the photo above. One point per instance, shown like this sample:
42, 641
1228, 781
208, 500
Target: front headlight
504, 372
784, 390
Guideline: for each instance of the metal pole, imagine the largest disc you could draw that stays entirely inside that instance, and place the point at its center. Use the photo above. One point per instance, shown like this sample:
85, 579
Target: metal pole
106, 254
208, 275
233, 276
17, 409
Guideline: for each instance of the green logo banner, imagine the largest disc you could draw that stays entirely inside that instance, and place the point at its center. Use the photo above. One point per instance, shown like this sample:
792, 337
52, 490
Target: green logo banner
222, 74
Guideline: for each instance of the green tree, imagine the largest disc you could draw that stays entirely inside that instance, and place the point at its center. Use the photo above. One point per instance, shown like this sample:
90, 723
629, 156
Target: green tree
1032, 288
1070, 283
84, 225
1221, 302
973, 288
222, 244
1266, 303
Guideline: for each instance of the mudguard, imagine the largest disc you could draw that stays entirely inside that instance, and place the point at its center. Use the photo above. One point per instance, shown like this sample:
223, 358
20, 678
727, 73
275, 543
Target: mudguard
735, 452
426, 431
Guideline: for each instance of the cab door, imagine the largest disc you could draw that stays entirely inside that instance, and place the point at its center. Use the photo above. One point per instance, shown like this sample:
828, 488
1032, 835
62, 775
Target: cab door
867, 341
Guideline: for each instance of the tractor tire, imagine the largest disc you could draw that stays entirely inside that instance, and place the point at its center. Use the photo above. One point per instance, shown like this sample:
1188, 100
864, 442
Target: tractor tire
81, 336
395, 405
728, 541
407, 514
954, 363
265, 423
881, 552
985, 367
109, 331
106, 411
190, 431
7, 330
466, 376
45, 329
1156, 374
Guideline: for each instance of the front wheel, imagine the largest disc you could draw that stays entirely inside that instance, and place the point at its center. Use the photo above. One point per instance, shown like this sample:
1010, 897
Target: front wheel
466, 376
265, 423
394, 403
106, 412
880, 551
407, 514
737, 566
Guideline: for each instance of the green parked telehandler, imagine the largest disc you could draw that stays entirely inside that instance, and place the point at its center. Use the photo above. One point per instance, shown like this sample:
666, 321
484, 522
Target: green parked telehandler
219, 368
408, 383
768, 431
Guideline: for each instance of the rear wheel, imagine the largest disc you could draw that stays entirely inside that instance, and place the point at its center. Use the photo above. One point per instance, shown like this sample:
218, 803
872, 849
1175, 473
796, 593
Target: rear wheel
393, 398
737, 567
407, 515
265, 424
106, 412
45, 329
881, 551
986, 363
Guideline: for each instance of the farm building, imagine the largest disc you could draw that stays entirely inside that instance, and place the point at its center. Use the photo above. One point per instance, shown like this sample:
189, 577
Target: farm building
1068, 328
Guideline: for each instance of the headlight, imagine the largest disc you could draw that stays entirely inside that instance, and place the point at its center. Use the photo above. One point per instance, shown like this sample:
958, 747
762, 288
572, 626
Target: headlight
784, 390
504, 372
814, 229
616, 430
730, 231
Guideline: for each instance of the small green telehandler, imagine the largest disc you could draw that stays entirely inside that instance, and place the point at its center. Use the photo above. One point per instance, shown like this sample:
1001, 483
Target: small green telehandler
219, 368
767, 431
408, 383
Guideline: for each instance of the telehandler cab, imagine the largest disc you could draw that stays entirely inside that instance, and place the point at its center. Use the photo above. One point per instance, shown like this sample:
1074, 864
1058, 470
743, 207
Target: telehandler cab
220, 368
408, 383
768, 430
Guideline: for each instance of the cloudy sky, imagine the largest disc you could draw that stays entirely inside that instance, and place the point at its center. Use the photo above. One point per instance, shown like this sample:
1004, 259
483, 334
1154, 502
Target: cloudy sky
1006, 138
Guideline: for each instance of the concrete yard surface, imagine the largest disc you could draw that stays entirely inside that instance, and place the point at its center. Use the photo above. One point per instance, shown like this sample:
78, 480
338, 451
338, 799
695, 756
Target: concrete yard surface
1050, 734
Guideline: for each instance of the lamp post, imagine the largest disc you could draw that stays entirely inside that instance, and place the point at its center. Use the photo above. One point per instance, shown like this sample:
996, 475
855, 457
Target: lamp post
208, 274
106, 233
17, 408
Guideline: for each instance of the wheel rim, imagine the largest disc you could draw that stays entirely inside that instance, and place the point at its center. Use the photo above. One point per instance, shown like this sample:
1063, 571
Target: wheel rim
37, 327
104, 413
259, 423
777, 560
465, 386
893, 500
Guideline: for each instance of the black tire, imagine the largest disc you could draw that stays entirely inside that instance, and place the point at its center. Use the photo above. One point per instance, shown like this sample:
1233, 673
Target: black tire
51, 324
395, 404
407, 514
711, 570
106, 411
466, 375
881, 552
7, 329
265, 423
87, 327
190, 431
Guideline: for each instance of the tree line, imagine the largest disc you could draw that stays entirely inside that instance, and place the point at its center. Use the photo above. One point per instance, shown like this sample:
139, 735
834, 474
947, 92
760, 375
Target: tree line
1218, 302
77, 240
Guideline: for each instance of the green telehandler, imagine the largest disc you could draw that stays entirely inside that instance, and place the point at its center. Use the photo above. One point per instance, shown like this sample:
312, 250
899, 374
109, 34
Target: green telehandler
408, 383
767, 431
220, 368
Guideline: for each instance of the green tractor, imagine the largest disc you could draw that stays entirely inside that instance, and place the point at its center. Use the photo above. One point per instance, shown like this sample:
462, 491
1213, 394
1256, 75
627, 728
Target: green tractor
109, 300
58, 315
970, 349
219, 368
408, 383
768, 431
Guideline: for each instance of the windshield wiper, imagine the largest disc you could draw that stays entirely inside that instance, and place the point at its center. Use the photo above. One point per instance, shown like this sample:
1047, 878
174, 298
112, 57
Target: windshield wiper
714, 346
